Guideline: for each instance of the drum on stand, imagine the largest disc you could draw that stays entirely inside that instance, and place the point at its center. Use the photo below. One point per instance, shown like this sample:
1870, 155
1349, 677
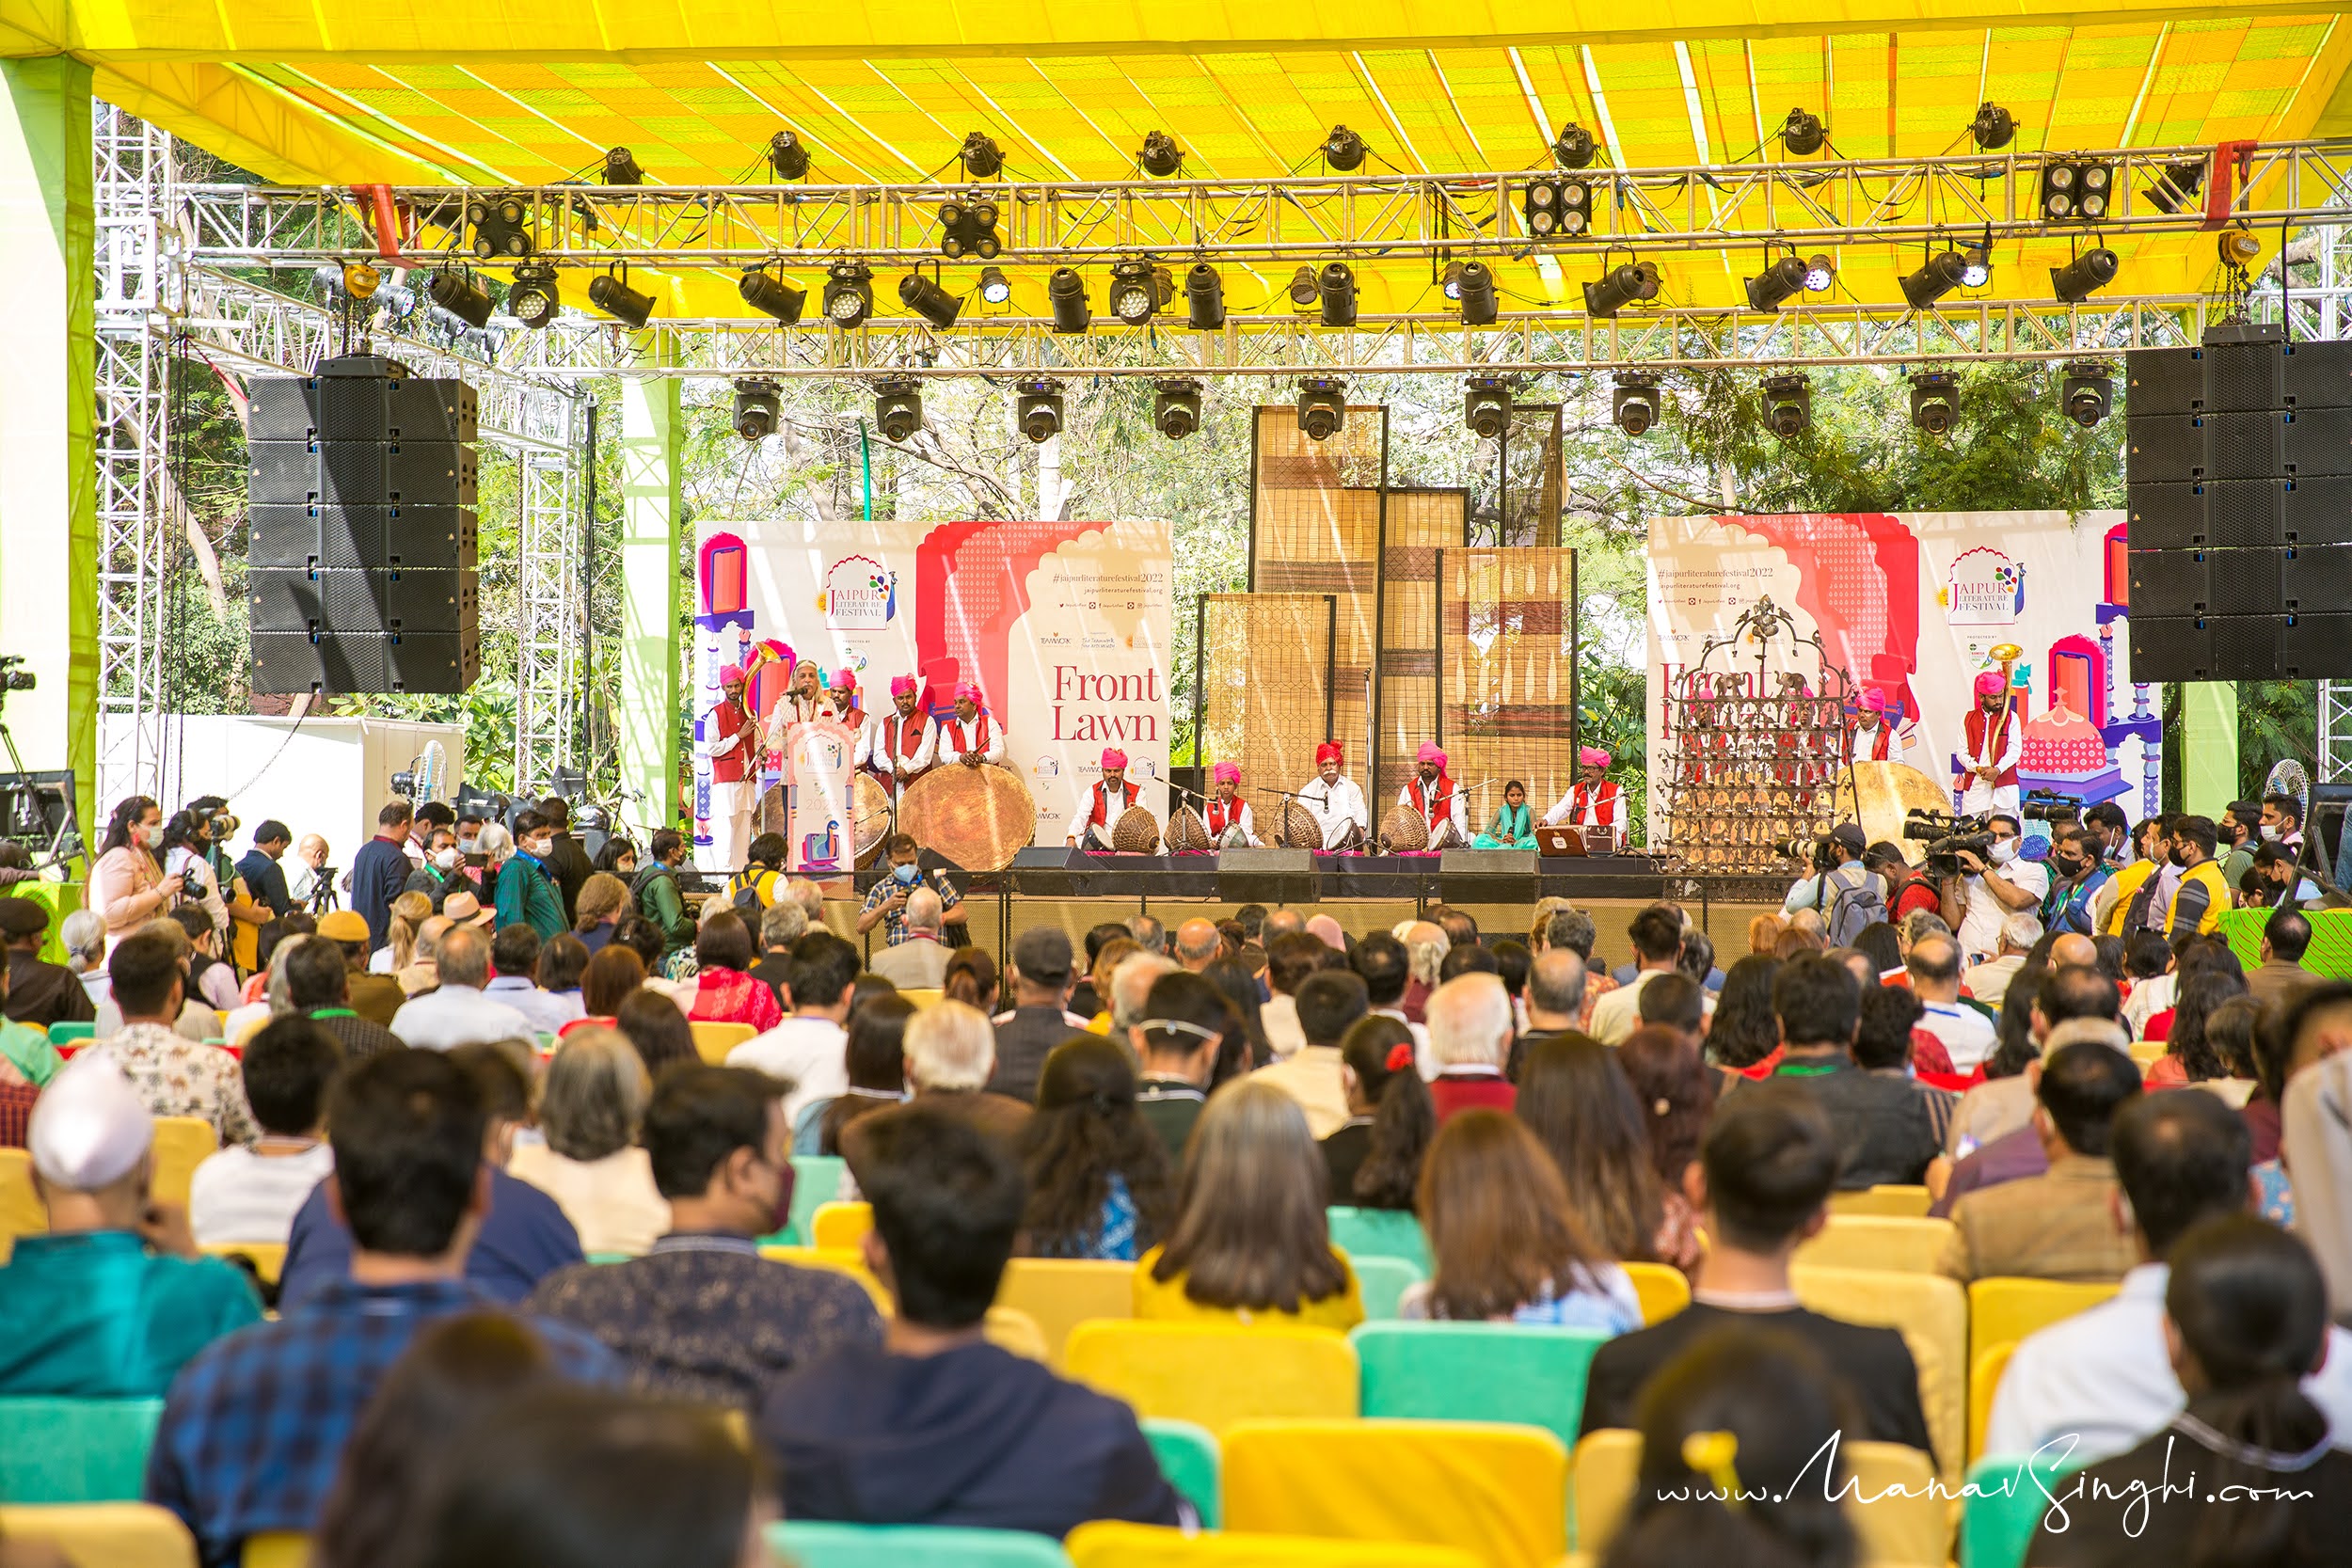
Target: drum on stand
1135, 832
1186, 832
1299, 829
977, 817
1405, 832
870, 812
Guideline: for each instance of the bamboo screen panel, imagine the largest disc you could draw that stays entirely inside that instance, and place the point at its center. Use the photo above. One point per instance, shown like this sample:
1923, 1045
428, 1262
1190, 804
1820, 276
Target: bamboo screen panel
1265, 675
1504, 660
1533, 479
1315, 528
1420, 523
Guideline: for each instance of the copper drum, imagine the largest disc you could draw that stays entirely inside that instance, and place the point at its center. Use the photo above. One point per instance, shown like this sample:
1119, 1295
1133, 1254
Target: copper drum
1405, 832
1186, 832
1135, 832
1298, 828
869, 804
977, 817
1880, 796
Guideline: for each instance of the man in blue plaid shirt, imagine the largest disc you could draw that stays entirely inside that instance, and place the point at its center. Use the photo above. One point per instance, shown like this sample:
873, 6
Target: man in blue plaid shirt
255, 1426
886, 900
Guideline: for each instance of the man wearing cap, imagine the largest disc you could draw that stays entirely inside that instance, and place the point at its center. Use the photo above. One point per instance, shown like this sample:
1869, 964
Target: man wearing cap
1110, 797
116, 1297
1595, 801
1230, 825
373, 997
845, 698
1992, 740
971, 738
1336, 802
1838, 893
1432, 796
896, 748
38, 991
1040, 1018
730, 738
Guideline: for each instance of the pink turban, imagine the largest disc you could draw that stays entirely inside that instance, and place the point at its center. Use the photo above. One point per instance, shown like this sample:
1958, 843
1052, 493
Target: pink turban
1874, 699
846, 680
1113, 757
1327, 930
1226, 773
1591, 756
1329, 752
966, 690
730, 673
1429, 753
903, 685
1991, 684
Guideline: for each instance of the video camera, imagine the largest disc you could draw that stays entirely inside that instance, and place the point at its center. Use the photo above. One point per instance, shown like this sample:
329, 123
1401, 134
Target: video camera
1948, 837
13, 676
2048, 805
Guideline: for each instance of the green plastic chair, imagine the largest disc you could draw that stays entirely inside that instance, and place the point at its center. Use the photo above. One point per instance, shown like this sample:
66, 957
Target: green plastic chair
1383, 1281
1477, 1373
1189, 1459
1380, 1233
70, 1034
820, 1545
608, 1257
55, 1451
2002, 1507
815, 1177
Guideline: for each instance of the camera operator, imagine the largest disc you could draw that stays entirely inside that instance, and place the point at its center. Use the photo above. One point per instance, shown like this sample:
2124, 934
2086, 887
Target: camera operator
1983, 895
2113, 830
1847, 894
2079, 871
1907, 890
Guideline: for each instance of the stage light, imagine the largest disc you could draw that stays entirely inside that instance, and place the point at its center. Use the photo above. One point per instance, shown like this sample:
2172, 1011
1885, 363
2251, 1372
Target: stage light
1067, 293
462, 297
1176, 407
1473, 286
620, 168
756, 409
1776, 284
1935, 401
1487, 406
1338, 288
500, 226
615, 299
1619, 287
2092, 270
360, 280
1819, 272
787, 156
1304, 292
927, 300
1037, 406
982, 158
1633, 400
1788, 405
996, 288
1994, 128
968, 229
1140, 290
2239, 247
772, 296
1343, 149
2177, 186
1976, 266
2089, 392
1933, 281
1161, 157
533, 299
1573, 147
1322, 407
2076, 190
1802, 133
898, 406
1551, 208
1204, 293
849, 296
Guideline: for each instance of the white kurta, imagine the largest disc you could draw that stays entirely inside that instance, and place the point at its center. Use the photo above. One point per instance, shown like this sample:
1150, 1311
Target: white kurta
957, 739
1980, 797
874, 748
1336, 807
1239, 830
790, 710
1450, 829
732, 806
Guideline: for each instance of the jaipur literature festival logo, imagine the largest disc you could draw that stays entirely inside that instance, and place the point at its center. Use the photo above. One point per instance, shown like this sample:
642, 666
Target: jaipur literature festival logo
861, 595
1987, 589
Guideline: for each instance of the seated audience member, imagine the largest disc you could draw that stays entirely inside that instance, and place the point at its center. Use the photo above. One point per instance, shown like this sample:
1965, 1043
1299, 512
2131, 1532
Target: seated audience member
174, 1075
515, 981
252, 1194
2316, 1147
1657, 934
1574, 1096
610, 977
1673, 1090
1988, 981
2003, 1104
563, 974
651, 1022
2099, 1381
1244, 1046
2189, 1056
1290, 957
2246, 1322
1675, 1002
373, 997
1762, 1181
1738, 1440
810, 1049
2286, 937
1886, 1037
1883, 1131
1507, 1247
951, 1052
211, 980
592, 1104
701, 1315
1091, 996
1879, 942
115, 1298
1555, 1002
38, 991
254, 1426
1181, 1036
1132, 979
1329, 1005
1386, 968
1574, 930
1744, 1037
422, 971
920, 962
1039, 1018
2058, 1225
1470, 1030
877, 1057
1965, 1028
1101, 1184
1425, 947
1459, 962
726, 989
937, 1426
1251, 1242
1374, 1159
27, 1060
83, 934
2315, 1024
457, 1012
318, 984
523, 1239
603, 899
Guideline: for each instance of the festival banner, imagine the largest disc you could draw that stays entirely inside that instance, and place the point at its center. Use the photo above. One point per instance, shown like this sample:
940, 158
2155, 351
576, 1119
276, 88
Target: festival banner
1915, 605
1063, 625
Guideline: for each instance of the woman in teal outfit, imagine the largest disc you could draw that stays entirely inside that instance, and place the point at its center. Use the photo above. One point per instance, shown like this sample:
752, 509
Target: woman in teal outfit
1514, 827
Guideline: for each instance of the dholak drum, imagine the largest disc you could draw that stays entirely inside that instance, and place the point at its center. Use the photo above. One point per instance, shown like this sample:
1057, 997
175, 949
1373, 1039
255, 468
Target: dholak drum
979, 817
1405, 832
1299, 831
1186, 832
869, 804
1135, 832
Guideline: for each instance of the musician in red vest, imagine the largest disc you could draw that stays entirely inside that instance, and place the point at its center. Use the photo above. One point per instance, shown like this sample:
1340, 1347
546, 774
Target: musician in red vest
1431, 795
1594, 801
1230, 825
971, 738
1874, 737
844, 697
730, 738
1992, 740
1112, 794
898, 747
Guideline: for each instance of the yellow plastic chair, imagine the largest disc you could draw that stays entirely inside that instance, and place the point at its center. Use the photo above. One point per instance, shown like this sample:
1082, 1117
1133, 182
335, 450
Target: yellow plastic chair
1017, 1332
713, 1040
21, 1211
1215, 1374
105, 1535
1062, 1292
1932, 1311
1984, 1378
181, 1144
2002, 1311
1910, 1203
277, 1548
922, 996
842, 1227
1500, 1493
1661, 1287
1107, 1544
269, 1257
1879, 1241
2147, 1053
1902, 1521
849, 1262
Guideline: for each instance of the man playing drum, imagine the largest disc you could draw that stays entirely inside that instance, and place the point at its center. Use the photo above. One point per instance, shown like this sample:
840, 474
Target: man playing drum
898, 747
971, 738
1431, 797
1336, 802
1107, 801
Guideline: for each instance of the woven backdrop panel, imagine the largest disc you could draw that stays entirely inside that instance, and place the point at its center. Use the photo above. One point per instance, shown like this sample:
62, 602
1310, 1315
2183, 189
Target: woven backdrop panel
1264, 678
1420, 523
1315, 528
1506, 650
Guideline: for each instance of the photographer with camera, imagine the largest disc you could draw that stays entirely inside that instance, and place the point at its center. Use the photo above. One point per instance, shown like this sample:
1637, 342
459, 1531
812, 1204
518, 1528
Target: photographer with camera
1908, 891
1989, 884
2079, 871
1847, 894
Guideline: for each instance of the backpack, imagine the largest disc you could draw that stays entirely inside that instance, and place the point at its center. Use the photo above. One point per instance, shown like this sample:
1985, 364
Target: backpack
647, 875
1852, 906
745, 888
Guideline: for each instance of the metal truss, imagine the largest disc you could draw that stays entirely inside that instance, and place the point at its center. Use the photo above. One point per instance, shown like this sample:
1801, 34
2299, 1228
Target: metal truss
551, 660
1796, 205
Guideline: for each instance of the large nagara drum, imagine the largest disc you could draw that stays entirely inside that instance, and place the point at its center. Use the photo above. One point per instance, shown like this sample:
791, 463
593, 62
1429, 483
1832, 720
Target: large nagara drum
1880, 796
979, 817
1405, 832
869, 810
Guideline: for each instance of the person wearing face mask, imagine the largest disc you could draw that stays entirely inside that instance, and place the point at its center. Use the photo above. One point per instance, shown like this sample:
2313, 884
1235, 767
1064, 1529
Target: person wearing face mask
1991, 741
2080, 873
2113, 830
886, 901
527, 891
2201, 895
444, 871
1983, 895
128, 886
2238, 834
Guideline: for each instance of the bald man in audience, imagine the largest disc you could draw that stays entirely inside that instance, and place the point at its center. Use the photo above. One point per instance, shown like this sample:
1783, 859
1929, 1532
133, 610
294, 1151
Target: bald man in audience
1966, 1029
1469, 1038
1555, 999
919, 962
1282, 922
1197, 945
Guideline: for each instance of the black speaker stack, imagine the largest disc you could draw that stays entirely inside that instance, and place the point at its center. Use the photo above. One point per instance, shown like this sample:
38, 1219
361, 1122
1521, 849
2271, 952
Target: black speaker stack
360, 491
2238, 466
